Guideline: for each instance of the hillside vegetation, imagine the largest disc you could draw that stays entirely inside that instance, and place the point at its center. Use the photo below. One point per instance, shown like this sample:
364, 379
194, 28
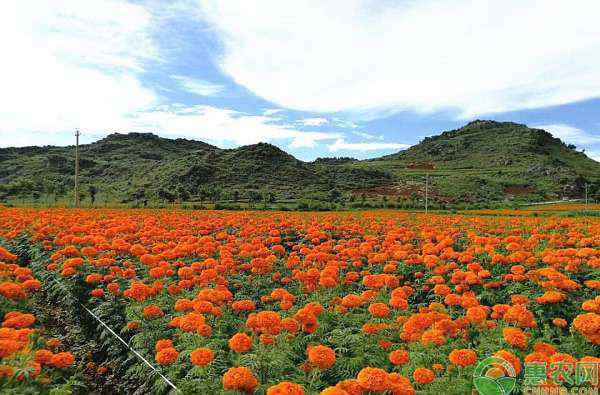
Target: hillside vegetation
483, 162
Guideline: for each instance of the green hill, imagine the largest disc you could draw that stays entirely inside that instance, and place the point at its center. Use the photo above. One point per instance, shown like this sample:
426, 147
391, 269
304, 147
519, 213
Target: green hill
485, 161
490, 161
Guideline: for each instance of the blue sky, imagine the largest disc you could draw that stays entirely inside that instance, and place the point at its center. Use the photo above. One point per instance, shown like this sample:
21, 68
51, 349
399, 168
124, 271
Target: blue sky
336, 78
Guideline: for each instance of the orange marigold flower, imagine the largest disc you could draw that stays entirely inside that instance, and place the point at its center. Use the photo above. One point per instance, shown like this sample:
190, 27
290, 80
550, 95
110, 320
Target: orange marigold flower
243, 305
463, 357
330, 391
399, 303
380, 310
166, 356
286, 388
290, 325
442, 289
53, 343
373, 379
43, 357
204, 330
18, 320
6, 255
321, 356
62, 360
31, 285
544, 348
589, 326
183, 305
153, 311
560, 322
6, 371
400, 385
433, 337
240, 379
423, 376
551, 297
352, 387
93, 278
515, 337
265, 322
191, 322
202, 356
162, 344
9, 347
113, 288
351, 301
399, 357
12, 290
133, 325
240, 342
477, 314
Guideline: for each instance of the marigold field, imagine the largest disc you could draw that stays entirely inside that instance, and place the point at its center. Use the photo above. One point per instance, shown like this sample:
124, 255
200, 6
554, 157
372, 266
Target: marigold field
289, 303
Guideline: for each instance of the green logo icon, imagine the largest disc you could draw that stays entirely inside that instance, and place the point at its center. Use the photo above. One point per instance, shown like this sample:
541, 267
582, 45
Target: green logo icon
494, 376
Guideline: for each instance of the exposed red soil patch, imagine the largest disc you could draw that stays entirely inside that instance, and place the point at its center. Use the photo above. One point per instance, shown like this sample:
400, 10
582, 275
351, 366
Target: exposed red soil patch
519, 190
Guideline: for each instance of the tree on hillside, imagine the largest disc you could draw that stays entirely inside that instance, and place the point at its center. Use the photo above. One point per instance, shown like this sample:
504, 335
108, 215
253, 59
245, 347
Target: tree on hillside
166, 195
253, 196
50, 190
140, 196
334, 195
203, 193
216, 194
182, 193
92, 191
268, 197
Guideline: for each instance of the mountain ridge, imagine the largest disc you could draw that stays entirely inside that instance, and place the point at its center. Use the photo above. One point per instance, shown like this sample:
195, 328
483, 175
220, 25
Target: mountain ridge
483, 161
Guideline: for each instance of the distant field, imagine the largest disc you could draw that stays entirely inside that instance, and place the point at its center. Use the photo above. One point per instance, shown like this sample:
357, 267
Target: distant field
565, 207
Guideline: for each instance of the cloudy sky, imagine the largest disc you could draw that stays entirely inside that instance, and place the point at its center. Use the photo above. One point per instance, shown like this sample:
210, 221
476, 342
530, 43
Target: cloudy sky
317, 78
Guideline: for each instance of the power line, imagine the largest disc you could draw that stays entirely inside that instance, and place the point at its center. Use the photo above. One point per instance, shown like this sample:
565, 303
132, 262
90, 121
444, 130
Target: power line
77, 134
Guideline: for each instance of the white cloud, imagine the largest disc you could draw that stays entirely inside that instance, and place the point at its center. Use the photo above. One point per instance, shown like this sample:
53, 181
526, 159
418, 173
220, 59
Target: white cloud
367, 136
198, 87
222, 126
211, 124
571, 134
313, 121
29, 139
344, 123
271, 111
595, 155
66, 64
372, 57
342, 145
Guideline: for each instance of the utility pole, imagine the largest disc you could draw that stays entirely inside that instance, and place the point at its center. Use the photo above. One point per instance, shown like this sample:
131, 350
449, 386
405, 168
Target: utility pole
586, 195
426, 189
77, 134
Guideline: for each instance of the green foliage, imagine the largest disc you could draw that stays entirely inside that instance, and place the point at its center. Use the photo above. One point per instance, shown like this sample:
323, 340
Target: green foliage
484, 162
